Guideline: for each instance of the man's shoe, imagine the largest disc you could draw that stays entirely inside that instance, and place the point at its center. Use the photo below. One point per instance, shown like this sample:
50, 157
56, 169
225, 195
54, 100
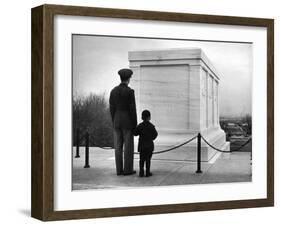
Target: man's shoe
141, 174
131, 173
121, 173
148, 174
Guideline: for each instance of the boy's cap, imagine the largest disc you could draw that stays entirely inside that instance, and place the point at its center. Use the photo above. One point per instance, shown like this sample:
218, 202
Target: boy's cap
145, 114
125, 73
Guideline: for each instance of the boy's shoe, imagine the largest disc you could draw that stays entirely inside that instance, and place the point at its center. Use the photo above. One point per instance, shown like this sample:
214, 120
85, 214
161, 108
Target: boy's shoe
148, 174
120, 173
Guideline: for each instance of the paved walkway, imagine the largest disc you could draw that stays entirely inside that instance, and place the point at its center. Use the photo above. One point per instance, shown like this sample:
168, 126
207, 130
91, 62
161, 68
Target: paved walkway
233, 167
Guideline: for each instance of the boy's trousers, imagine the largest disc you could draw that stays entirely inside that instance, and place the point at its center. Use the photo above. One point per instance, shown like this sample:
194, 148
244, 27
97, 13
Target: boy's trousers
145, 157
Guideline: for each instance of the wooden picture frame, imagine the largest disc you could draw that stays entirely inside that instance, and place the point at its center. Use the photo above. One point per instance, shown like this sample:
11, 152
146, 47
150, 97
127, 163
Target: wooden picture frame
42, 203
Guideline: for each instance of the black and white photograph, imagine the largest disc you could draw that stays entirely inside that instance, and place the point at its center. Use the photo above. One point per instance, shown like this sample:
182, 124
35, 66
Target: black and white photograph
160, 112
139, 112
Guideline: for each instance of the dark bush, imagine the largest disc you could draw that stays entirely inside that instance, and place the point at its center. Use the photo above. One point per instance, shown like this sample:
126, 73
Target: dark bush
248, 124
91, 113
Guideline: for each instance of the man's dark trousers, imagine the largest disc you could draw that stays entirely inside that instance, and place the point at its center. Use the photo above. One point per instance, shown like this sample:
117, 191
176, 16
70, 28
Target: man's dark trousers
124, 137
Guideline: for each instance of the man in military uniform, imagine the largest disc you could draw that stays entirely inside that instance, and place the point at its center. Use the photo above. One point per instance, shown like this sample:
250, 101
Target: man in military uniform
124, 118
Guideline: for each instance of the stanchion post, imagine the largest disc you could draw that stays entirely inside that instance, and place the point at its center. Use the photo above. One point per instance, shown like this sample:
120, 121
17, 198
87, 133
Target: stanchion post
77, 143
198, 153
87, 150
251, 156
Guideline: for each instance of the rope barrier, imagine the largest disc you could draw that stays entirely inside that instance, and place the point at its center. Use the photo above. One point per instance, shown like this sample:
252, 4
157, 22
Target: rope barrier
106, 148
98, 146
172, 148
213, 146
186, 142
219, 150
157, 152
238, 149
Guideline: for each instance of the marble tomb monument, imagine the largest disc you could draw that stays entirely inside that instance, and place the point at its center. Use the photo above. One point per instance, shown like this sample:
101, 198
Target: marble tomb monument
181, 89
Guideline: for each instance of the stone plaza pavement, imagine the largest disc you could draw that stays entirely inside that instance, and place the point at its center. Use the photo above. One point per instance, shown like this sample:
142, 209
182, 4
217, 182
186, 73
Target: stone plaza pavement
224, 168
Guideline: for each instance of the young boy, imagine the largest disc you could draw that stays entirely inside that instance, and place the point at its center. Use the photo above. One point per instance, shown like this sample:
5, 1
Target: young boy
147, 133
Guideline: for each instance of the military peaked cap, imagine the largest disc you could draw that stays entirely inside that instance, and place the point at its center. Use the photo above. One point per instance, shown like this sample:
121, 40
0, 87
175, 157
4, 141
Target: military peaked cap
125, 73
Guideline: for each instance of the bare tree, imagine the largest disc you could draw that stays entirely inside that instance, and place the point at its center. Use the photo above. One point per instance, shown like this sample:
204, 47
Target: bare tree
91, 113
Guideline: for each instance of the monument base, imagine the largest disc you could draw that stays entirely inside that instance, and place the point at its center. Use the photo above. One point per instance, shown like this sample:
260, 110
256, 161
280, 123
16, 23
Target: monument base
215, 136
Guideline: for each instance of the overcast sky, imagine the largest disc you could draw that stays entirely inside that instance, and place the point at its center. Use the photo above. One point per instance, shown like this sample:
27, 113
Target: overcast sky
96, 61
